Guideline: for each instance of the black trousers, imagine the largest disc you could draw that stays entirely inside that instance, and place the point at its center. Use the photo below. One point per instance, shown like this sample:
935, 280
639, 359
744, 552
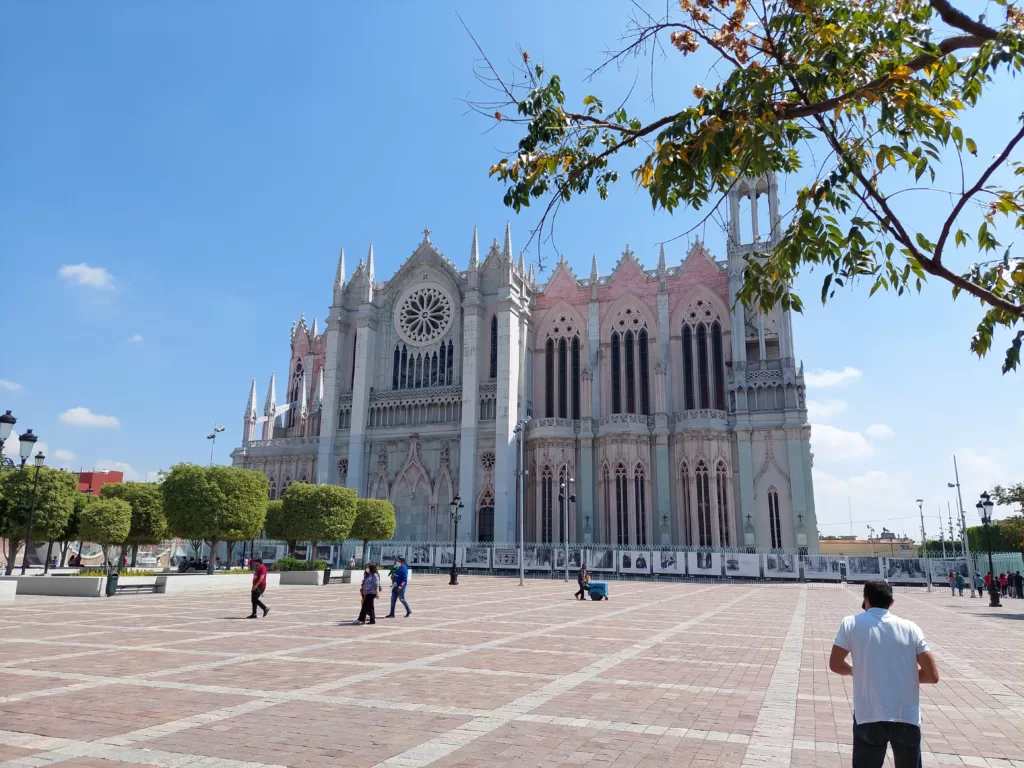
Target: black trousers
256, 602
367, 611
584, 589
870, 740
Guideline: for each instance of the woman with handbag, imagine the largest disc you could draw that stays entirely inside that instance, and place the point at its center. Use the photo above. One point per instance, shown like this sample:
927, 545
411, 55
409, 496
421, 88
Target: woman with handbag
369, 589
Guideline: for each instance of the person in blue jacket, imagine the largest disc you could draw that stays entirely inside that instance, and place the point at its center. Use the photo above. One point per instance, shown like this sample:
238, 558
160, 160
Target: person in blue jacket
399, 581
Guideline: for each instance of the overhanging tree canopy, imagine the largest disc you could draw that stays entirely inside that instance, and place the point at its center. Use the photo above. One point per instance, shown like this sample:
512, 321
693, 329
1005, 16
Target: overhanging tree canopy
54, 503
318, 512
868, 91
375, 520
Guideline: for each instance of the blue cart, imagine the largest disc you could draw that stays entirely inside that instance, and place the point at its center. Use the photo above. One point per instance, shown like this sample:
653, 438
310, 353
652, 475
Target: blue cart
598, 590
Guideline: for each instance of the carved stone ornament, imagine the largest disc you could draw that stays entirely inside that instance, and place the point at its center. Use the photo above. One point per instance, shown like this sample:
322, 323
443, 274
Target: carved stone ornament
424, 314
343, 471
382, 458
487, 459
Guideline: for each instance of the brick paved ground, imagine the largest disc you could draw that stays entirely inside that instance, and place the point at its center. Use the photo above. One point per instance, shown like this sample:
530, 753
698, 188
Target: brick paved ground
486, 674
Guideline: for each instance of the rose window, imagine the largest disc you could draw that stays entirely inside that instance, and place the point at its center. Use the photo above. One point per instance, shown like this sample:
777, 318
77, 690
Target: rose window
488, 460
424, 315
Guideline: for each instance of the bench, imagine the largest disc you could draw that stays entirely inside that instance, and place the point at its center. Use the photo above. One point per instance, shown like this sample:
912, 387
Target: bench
146, 587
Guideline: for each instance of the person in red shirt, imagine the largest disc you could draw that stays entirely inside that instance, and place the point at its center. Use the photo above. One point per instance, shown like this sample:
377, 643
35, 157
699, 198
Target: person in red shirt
259, 585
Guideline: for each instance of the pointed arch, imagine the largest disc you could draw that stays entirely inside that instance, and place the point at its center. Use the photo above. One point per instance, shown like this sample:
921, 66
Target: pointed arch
621, 504
774, 517
722, 497
485, 514
699, 304
615, 319
562, 320
685, 504
704, 537
640, 502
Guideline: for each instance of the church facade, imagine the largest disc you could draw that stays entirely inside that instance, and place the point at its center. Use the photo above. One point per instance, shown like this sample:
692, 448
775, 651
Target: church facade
671, 414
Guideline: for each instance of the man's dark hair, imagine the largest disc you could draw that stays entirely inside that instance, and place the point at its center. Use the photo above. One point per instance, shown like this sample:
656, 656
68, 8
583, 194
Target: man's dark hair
878, 594
258, 560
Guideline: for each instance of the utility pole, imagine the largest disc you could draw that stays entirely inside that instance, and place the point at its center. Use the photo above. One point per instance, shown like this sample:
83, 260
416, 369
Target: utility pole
942, 534
924, 544
963, 527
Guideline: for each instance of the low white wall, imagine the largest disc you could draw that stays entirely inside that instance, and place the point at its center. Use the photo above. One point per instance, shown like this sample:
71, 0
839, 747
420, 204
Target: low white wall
189, 582
304, 578
7, 590
59, 586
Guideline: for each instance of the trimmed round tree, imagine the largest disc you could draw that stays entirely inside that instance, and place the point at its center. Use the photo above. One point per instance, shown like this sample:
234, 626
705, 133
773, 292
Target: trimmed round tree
375, 520
71, 530
276, 526
149, 525
106, 522
316, 513
245, 504
54, 503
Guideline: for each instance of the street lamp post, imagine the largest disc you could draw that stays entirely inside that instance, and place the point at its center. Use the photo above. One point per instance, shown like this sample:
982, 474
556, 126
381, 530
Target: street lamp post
213, 438
564, 499
963, 526
35, 487
924, 544
7, 422
456, 511
520, 431
871, 541
985, 512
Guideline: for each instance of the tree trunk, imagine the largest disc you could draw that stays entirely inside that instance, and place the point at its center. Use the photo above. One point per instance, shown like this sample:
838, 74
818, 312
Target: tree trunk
312, 551
366, 543
64, 552
12, 552
135, 553
49, 550
213, 556
293, 544
229, 547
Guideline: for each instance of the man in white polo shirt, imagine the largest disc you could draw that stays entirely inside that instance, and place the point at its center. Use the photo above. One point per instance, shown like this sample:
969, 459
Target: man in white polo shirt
890, 661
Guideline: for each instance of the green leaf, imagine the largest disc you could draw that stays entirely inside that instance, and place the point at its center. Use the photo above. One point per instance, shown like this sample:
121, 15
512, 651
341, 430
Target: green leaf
972, 147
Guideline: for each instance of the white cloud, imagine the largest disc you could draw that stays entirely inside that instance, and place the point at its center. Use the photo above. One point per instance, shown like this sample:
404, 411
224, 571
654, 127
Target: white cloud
823, 378
983, 469
130, 473
879, 431
881, 497
63, 454
823, 410
83, 417
83, 274
10, 386
136, 339
833, 444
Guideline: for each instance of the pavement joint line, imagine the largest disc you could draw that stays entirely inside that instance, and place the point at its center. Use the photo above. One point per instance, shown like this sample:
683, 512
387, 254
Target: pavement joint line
434, 749
772, 739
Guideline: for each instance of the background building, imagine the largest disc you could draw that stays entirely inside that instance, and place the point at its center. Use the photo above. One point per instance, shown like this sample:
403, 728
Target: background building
93, 482
674, 415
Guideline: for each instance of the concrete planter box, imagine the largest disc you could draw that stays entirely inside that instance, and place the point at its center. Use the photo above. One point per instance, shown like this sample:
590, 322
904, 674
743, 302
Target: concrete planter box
189, 582
7, 590
64, 586
301, 578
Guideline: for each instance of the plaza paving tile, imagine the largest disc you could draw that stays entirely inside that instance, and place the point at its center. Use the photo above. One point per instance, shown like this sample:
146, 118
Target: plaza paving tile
485, 674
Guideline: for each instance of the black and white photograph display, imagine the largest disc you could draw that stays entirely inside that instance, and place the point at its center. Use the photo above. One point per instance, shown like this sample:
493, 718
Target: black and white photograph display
575, 559
601, 559
506, 557
822, 568
420, 556
704, 563
941, 569
634, 562
863, 568
476, 557
780, 566
537, 559
905, 570
388, 554
443, 557
742, 566
669, 562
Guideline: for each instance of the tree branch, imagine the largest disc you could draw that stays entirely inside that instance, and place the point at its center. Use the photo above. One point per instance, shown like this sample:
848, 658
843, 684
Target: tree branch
957, 18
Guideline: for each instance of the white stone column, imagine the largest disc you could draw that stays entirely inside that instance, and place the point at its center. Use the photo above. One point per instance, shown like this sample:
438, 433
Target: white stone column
472, 309
366, 347
753, 214
505, 421
747, 504
594, 346
760, 336
327, 460
798, 447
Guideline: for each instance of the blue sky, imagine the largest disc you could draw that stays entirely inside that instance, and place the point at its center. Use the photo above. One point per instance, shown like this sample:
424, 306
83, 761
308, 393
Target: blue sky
206, 161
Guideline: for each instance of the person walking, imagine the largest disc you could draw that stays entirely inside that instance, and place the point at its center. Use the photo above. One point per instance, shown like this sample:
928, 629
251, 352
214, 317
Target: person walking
960, 583
979, 584
399, 581
369, 589
582, 578
891, 660
951, 580
1018, 582
1002, 584
259, 586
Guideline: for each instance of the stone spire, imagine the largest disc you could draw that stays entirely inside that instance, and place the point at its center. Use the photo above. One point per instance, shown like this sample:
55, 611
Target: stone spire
474, 251
250, 408
507, 252
662, 268
593, 268
339, 276
314, 329
318, 395
532, 277
522, 264
369, 263
270, 404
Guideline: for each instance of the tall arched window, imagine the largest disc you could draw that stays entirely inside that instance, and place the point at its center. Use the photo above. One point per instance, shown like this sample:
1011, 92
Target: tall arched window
494, 346
441, 364
575, 377
774, 519
563, 503
273, 490
616, 372
640, 504
485, 518
451, 360
394, 371
563, 380
645, 396
703, 506
702, 366
549, 379
546, 506
294, 393
718, 364
688, 390
622, 504
722, 485
630, 375
606, 487
685, 504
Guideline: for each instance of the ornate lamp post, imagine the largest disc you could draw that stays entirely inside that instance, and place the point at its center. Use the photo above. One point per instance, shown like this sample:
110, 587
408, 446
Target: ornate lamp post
985, 512
564, 501
456, 511
7, 422
213, 437
25, 449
